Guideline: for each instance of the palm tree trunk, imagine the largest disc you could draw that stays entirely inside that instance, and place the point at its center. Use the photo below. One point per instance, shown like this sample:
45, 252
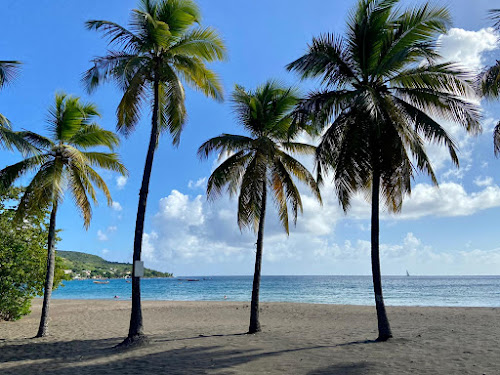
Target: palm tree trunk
49, 276
136, 329
384, 329
254, 306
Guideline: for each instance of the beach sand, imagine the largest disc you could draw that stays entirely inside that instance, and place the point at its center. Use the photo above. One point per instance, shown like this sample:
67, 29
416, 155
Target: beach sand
208, 338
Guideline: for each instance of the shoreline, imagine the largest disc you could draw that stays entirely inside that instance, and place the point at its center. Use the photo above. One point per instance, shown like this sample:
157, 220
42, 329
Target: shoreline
125, 300
202, 337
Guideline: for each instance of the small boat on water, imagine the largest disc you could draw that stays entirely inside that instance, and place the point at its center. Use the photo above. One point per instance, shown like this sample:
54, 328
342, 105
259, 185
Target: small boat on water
101, 282
407, 274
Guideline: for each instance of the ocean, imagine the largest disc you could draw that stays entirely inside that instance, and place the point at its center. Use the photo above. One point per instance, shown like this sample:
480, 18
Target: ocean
478, 291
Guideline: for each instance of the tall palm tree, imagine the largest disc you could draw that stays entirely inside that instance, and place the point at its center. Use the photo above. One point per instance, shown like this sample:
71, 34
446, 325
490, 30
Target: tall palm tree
259, 161
385, 93
64, 164
161, 47
490, 83
9, 138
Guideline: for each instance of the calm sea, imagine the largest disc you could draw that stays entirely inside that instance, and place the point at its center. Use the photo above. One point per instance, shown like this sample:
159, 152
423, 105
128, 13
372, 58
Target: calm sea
353, 290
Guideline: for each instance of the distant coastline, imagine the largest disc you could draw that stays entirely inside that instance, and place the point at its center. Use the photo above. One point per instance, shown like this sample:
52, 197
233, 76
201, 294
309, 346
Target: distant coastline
83, 266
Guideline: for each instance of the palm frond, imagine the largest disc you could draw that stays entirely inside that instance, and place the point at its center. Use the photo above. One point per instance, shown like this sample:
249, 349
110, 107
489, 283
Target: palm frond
199, 77
93, 135
172, 111
228, 173
9, 70
12, 172
105, 160
116, 34
202, 43
225, 143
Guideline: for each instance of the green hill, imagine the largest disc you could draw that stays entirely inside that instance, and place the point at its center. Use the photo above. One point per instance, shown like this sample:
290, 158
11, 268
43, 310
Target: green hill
81, 263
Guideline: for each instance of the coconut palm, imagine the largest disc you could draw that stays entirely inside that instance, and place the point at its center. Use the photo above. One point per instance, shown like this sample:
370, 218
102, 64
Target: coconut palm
382, 97
258, 162
64, 164
490, 83
161, 47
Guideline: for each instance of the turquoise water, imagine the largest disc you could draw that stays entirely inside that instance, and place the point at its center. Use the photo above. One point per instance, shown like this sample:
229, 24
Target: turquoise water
353, 290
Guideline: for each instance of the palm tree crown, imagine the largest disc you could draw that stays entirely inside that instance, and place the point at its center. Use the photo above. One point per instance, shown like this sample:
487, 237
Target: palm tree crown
64, 161
160, 47
384, 88
262, 158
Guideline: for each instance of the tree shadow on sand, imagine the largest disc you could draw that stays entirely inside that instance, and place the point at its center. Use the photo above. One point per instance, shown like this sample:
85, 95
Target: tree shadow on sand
81, 357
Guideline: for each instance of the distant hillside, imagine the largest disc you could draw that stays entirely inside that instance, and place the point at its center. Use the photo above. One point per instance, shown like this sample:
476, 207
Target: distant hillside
84, 265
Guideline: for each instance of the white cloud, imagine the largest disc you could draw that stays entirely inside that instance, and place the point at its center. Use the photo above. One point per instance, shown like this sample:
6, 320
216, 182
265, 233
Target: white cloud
467, 47
116, 206
101, 236
121, 181
200, 183
104, 251
483, 181
448, 200
112, 229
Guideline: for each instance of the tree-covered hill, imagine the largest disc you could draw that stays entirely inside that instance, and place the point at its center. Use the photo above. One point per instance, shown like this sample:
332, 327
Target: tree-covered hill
81, 263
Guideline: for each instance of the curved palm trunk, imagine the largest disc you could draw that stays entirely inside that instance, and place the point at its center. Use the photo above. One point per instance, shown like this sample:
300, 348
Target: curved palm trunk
384, 329
254, 306
49, 276
136, 329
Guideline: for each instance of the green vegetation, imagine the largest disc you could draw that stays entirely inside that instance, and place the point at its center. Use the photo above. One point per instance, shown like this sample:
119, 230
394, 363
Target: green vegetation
98, 267
23, 259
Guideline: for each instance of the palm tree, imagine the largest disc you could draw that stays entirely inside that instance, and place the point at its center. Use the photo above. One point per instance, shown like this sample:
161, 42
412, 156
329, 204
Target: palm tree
8, 137
385, 92
64, 164
490, 83
259, 161
160, 48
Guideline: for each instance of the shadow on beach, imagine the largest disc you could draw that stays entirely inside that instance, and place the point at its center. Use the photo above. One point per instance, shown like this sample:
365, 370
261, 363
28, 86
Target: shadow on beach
98, 357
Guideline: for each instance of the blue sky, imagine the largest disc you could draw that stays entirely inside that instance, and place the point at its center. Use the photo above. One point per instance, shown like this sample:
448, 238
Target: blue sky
451, 231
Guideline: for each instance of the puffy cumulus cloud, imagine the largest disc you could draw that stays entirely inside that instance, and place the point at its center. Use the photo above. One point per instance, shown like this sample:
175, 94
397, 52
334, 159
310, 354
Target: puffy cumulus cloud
413, 255
467, 47
448, 200
191, 235
191, 230
116, 206
121, 181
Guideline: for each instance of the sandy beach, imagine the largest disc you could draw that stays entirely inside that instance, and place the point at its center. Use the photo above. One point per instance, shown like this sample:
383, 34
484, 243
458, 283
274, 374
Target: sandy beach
208, 338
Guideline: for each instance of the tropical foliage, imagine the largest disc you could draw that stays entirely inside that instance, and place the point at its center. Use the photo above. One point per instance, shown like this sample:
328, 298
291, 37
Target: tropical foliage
258, 162
161, 47
64, 164
384, 90
23, 258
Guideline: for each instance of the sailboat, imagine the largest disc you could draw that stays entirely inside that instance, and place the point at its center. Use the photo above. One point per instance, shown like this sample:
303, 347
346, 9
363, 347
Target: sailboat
407, 274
